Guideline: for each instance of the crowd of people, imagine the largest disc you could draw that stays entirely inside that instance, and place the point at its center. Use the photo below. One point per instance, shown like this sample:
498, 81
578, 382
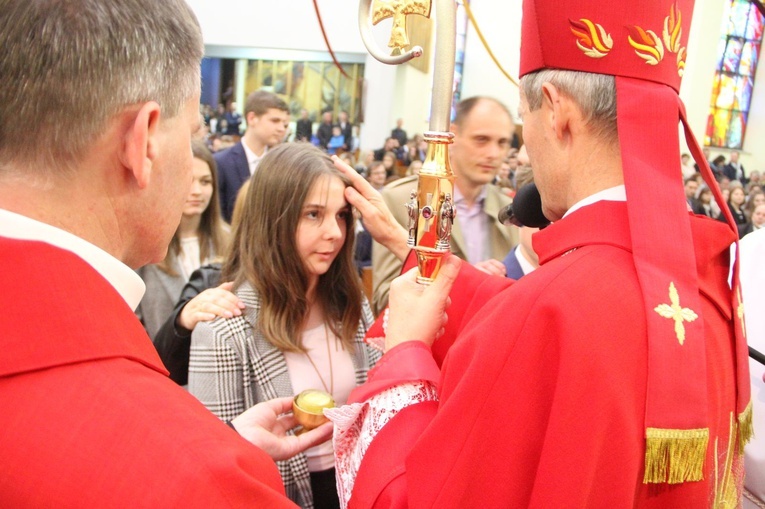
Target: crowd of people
557, 379
742, 192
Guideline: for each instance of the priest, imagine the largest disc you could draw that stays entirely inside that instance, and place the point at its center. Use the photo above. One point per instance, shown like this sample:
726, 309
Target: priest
91, 188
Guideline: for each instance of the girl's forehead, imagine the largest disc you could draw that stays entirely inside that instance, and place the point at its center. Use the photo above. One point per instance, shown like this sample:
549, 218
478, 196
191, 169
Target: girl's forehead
323, 186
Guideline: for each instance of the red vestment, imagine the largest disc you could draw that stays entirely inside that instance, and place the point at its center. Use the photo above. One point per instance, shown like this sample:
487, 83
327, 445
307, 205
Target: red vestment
542, 394
89, 417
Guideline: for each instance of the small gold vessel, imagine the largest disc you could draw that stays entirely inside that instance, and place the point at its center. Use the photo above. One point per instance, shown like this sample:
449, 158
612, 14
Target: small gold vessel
308, 408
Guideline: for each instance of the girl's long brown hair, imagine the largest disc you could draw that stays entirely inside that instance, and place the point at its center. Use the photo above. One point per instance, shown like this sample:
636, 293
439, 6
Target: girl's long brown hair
213, 237
264, 250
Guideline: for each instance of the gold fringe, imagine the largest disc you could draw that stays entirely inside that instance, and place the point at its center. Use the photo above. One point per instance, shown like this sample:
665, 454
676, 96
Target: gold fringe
745, 427
675, 455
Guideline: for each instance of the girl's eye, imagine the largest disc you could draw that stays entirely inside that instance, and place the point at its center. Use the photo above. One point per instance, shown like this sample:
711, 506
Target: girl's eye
312, 214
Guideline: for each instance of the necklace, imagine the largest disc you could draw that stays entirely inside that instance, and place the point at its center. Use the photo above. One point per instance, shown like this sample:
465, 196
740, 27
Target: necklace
331, 388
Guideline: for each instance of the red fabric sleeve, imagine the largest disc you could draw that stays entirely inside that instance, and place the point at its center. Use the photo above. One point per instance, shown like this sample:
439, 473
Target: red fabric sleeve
407, 362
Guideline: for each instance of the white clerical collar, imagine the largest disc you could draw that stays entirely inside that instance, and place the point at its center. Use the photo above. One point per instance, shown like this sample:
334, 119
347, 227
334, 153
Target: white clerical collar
526, 265
124, 280
617, 193
252, 158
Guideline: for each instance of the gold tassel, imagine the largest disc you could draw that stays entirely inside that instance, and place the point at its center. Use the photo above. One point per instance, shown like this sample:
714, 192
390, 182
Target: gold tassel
745, 427
675, 455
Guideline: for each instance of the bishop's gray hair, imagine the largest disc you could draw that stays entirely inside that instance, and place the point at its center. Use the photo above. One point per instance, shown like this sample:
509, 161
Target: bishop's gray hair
594, 93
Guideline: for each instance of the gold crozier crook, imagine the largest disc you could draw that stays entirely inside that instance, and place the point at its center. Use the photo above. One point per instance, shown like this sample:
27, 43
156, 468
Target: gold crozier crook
398, 10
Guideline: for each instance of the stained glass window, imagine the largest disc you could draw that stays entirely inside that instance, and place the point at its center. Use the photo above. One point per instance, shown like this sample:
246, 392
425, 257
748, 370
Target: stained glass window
737, 55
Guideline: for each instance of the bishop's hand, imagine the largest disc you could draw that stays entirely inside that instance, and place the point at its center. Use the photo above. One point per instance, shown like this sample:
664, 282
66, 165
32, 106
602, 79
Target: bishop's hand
427, 302
378, 220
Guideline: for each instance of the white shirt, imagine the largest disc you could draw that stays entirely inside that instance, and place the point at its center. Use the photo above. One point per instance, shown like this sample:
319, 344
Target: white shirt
618, 193
124, 280
474, 226
252, 158
526, 265
188, 258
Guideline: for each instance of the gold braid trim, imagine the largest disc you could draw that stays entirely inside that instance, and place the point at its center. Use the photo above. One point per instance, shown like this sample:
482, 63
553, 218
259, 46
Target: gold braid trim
675, 455
745, 427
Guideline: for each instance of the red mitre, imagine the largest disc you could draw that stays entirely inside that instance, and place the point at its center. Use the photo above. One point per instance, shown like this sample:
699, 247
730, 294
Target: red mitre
643, 44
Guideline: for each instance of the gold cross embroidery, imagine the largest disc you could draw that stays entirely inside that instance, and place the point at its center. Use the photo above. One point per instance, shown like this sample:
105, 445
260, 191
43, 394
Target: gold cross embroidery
398, 10
740, 310
676, 312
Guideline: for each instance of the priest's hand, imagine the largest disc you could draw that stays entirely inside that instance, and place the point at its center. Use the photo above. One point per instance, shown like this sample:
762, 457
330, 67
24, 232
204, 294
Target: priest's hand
418, 312
265, 425
378, 220
209, 304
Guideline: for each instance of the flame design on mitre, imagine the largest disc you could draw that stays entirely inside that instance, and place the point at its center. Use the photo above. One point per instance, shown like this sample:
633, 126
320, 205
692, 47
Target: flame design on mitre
647, 45
673, 30
681, 55
592, 38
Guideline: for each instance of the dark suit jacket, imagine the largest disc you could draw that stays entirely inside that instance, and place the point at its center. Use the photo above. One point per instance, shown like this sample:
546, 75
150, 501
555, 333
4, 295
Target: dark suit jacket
324, 133
303, 130
730, 172
400, 135
233, 171
513, 266
347, 133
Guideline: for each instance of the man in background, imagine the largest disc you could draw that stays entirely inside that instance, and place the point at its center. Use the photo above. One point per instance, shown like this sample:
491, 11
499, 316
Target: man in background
482, 130
346, 129
399, 133
734, 170
233, 120
324, 131
303, 127
267, 117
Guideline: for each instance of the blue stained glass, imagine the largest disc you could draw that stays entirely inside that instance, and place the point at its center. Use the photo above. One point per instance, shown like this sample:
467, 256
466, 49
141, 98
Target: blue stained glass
745, 67
732, 55
738, 53
755, 57
743, 93
735, 131
739, 16
754, 28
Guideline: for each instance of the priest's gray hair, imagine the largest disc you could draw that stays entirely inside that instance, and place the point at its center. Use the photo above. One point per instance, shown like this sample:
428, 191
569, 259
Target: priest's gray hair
594, 93
68, 66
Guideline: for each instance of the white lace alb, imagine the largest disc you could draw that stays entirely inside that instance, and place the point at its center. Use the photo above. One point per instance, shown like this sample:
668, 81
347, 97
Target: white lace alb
357, 424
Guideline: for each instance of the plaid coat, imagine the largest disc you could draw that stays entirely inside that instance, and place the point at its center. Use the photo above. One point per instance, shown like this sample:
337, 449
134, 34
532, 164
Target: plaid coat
232, 367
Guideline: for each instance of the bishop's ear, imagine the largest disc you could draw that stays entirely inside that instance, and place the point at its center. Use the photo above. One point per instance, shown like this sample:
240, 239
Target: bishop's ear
559, 109
141, 144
